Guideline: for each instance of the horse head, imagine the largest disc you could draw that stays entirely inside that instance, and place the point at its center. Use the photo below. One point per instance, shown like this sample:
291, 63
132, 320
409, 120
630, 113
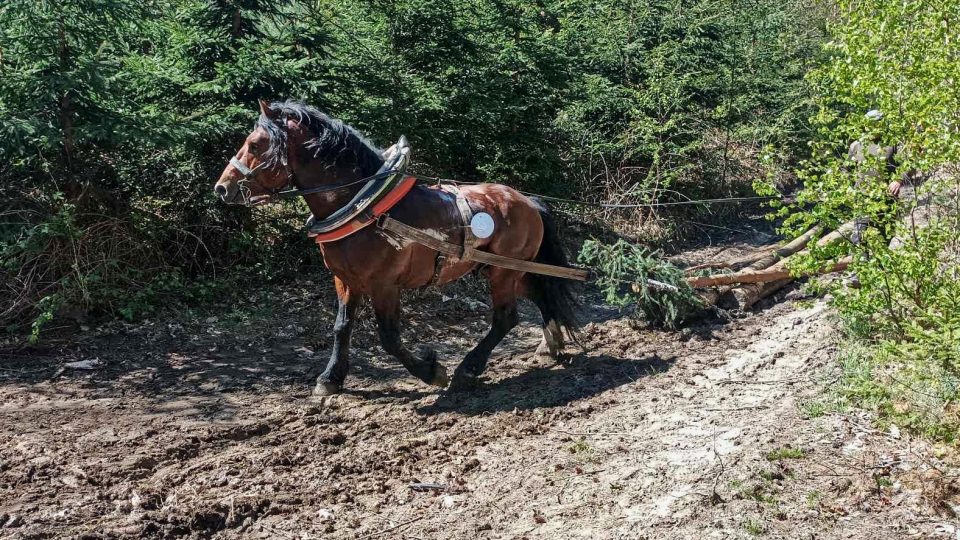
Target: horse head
261, 167
295, 146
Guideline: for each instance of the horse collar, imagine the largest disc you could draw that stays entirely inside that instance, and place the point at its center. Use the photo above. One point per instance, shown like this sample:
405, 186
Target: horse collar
380, 193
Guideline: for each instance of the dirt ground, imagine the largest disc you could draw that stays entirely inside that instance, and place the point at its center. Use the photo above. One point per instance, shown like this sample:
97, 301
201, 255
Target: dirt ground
203, 426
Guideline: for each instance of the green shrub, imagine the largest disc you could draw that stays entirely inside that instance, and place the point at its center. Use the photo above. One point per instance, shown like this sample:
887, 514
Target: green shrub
899, 382
623, 271
898, 58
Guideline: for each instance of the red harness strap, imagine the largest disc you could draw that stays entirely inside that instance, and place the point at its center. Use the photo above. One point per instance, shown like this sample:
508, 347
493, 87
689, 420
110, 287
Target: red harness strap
366, 218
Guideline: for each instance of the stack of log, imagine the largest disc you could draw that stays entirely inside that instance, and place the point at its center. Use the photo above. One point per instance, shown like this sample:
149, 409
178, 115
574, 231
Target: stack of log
762, 275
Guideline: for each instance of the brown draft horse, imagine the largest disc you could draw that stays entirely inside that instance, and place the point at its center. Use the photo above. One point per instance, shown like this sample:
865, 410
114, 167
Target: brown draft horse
296, 145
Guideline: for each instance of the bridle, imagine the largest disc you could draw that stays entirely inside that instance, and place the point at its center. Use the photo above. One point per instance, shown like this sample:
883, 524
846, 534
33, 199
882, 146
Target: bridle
248, 175
290, 190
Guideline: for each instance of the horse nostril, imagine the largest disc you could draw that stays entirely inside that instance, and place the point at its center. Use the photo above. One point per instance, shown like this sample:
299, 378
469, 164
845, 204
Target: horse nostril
221, 190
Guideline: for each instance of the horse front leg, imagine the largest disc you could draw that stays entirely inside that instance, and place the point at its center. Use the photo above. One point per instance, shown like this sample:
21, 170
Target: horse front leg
503, 287
331, 380
386, 306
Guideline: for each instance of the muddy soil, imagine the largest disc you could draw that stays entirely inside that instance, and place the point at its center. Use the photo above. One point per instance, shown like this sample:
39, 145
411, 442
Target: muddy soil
203, 426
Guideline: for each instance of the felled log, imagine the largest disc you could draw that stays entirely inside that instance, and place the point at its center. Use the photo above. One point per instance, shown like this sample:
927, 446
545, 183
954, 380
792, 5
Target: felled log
729, 297
786, 250
843, 232
778, 271
745, 296
774, 273
710, 297
735, 265
704, 266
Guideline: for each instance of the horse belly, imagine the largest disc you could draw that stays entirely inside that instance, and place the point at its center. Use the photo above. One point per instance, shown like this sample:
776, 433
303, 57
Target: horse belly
455, 270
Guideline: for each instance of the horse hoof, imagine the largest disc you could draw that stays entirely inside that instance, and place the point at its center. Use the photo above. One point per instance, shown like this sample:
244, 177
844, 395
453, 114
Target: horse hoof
326, 389
544, 353
440, 377
462, 382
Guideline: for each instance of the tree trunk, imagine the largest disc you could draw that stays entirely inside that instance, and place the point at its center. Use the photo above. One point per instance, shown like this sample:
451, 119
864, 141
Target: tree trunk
786, 250
72, 188
744, 297
774, 273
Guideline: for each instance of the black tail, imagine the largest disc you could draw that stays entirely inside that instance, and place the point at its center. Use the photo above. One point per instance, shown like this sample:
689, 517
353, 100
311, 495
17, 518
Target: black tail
556, 297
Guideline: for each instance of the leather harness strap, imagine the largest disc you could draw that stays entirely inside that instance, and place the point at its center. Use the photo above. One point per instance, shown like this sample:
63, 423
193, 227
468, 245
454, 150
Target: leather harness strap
469, 239
438, 264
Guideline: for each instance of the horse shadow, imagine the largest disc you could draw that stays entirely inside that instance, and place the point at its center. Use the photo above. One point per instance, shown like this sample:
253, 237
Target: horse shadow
582, 377
212, 382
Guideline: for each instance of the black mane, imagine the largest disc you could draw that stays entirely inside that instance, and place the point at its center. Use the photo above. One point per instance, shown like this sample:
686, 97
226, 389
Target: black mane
333, 141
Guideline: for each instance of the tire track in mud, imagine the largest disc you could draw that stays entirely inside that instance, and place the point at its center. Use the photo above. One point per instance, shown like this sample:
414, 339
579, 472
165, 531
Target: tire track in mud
639, 453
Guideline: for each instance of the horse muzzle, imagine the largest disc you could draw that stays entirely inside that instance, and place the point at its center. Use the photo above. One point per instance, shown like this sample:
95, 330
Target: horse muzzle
236, 193
229, 192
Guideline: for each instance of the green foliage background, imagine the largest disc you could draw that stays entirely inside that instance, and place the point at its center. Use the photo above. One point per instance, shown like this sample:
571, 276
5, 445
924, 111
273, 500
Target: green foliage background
117, 115
901, 58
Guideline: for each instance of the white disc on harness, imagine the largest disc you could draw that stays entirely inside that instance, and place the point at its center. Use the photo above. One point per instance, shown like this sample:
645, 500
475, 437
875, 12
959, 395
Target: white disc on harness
481, 225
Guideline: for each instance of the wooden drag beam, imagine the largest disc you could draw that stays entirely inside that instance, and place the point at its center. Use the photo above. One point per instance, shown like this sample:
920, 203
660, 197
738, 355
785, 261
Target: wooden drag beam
484, 257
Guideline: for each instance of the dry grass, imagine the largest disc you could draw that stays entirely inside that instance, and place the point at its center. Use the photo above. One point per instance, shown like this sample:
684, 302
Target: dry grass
85, 262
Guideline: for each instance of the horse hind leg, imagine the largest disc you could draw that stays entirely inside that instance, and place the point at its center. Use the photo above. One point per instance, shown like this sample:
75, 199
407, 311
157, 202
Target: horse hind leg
556, 298
386, 306
555, 301
503, 291
552, 343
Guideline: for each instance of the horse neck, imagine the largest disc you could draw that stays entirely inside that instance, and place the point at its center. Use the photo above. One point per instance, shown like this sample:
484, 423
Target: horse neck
316, 174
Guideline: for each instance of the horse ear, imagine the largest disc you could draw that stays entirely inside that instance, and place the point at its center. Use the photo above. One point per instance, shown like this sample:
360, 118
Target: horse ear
265, 109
